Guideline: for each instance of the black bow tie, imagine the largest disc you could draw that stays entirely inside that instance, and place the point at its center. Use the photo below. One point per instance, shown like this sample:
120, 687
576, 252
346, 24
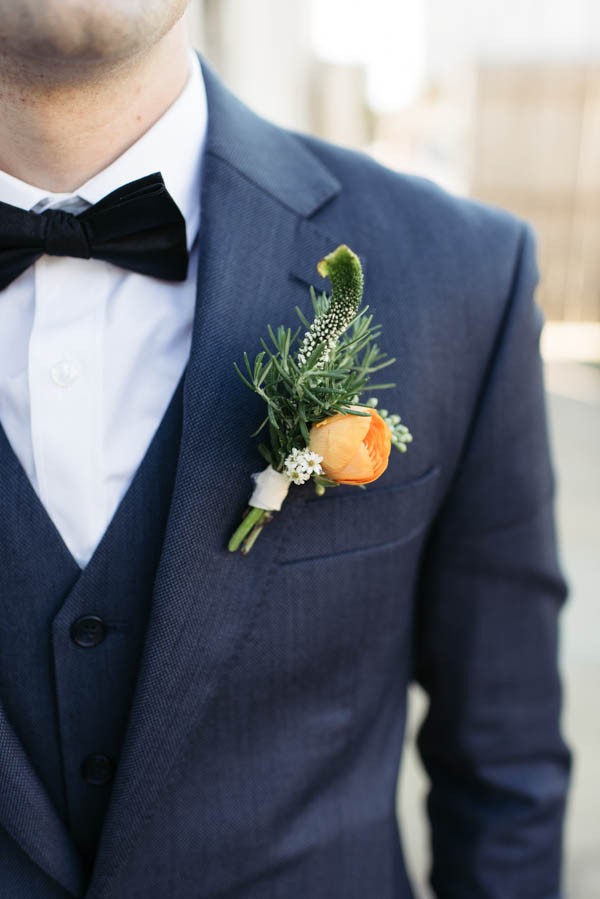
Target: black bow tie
138, 227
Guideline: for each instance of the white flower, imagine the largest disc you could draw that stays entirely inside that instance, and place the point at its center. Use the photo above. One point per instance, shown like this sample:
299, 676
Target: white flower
313, 462
301, 464
297, 477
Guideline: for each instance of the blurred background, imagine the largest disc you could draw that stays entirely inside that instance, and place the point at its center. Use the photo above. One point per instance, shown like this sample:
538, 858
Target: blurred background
498, 100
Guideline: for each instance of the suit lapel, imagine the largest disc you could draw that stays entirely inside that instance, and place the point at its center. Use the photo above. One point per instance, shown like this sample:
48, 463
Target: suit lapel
27, 813
259, 184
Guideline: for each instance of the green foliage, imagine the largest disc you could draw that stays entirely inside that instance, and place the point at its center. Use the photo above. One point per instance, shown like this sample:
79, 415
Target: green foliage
299, 394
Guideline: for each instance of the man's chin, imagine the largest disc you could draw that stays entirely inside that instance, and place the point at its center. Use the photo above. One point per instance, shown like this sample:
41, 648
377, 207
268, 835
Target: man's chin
69, 39
46, 64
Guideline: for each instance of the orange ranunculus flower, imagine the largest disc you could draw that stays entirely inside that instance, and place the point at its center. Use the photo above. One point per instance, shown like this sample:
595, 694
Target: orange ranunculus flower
355, 448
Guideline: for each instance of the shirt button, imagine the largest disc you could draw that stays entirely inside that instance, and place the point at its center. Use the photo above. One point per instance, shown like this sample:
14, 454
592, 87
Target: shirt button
97, 769
88, 631
65, 372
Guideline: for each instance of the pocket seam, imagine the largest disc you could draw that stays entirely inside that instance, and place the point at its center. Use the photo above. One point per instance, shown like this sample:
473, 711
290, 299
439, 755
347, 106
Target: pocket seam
360, 550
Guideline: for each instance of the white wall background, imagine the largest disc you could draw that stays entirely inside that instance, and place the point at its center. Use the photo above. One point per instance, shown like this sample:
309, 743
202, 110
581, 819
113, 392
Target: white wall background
268, 45
462, 31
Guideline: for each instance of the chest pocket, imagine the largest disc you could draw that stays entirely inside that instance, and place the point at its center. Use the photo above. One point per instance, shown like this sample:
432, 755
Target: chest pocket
348, 520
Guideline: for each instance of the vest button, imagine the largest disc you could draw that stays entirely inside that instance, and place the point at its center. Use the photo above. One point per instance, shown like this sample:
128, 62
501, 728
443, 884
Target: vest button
88, 631
97, 769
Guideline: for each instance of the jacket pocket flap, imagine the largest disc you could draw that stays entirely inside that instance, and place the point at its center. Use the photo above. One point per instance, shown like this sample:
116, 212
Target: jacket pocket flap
355, 519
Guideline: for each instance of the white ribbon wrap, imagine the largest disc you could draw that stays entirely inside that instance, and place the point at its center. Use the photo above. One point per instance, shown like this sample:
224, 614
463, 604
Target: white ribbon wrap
270, 490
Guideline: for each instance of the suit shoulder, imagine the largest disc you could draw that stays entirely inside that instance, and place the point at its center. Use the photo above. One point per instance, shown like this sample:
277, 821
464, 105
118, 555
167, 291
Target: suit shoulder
421, 211
431, 255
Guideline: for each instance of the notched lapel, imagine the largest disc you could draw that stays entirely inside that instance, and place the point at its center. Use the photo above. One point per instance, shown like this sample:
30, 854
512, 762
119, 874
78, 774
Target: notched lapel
29, 816
205, 599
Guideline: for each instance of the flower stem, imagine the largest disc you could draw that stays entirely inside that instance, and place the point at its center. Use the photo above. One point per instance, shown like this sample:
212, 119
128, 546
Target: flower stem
248, 530
255, 532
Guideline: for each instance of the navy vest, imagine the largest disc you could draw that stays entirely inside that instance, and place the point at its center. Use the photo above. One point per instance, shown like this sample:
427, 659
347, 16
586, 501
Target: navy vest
71, 640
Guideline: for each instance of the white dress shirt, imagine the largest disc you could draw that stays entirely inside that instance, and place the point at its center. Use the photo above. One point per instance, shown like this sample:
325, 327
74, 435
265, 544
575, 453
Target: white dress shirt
90, 354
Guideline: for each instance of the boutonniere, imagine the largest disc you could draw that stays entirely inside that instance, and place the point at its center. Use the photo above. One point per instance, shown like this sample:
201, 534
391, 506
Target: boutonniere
312, 380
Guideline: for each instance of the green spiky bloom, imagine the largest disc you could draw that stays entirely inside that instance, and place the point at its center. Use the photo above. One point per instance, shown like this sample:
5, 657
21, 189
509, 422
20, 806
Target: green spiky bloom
344, 270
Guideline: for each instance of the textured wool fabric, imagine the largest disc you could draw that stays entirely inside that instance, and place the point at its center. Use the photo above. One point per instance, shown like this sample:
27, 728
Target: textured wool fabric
267, 722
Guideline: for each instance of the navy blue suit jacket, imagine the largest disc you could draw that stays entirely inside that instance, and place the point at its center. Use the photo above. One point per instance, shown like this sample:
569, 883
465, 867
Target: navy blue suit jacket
266, 730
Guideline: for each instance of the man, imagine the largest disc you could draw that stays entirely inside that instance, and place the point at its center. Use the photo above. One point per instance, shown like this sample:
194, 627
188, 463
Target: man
176, 721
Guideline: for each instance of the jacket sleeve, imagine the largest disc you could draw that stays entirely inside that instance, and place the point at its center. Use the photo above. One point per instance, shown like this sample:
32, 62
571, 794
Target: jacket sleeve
489, 597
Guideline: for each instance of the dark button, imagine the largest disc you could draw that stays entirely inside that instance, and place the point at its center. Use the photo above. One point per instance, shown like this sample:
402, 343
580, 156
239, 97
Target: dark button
97, 769
88, 631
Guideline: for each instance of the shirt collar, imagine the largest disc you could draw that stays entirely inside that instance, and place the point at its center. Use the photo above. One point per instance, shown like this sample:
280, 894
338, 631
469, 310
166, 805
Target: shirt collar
172, 146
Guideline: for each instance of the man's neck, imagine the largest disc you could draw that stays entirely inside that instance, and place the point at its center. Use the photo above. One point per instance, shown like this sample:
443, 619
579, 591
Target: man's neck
60, 136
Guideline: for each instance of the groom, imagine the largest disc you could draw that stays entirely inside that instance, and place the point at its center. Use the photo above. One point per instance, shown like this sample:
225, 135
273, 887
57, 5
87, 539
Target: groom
180, 723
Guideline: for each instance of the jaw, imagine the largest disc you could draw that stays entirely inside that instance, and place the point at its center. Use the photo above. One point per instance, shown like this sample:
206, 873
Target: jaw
62, 41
